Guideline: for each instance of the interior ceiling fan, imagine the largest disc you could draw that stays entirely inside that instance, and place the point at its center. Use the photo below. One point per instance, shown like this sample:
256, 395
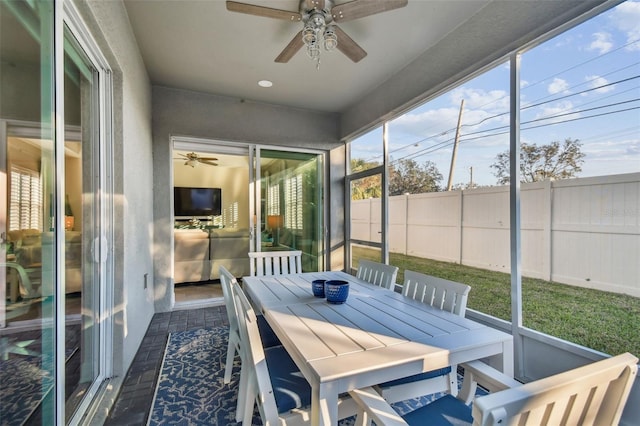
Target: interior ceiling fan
192, 159
319, 30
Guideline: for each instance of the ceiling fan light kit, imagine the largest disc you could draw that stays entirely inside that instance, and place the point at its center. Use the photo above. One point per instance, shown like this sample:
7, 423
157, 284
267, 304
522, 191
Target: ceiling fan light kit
319, 30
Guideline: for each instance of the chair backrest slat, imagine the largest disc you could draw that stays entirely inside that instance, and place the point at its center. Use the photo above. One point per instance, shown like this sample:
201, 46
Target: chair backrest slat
591, 395
275, 262
377, 273
444, 294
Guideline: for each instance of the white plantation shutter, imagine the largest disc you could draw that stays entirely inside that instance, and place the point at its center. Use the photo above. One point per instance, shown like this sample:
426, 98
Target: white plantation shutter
25, 205
273, 208
293, 202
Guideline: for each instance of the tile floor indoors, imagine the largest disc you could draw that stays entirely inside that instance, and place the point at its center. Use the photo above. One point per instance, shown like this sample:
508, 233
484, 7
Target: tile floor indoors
134, 402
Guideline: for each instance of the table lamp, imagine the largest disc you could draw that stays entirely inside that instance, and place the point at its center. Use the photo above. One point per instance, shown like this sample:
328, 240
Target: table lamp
275, 222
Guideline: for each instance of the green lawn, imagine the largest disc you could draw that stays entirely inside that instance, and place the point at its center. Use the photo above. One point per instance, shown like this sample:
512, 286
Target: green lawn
600, 320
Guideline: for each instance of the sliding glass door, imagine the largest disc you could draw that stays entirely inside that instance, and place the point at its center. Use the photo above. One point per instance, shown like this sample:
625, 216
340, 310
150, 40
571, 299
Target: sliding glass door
54, 215
84, 260
289, 207
270, 199
27, 170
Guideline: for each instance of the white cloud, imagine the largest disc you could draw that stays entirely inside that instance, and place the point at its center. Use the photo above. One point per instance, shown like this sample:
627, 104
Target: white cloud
551, 111
439, 124
626, 18
427, 123
611, 157
602, 42
492, 100
558, 85
597, 81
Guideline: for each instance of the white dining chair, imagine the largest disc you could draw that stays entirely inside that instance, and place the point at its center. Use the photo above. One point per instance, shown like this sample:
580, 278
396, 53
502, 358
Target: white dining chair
377, 273
271, 378
268, 337
594, 394
443, 294
275, 262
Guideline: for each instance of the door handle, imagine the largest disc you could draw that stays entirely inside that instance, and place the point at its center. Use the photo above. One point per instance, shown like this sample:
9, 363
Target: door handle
100, 247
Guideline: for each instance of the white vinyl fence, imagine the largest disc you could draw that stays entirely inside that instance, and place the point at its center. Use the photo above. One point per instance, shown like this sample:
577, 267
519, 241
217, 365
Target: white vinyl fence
583, 232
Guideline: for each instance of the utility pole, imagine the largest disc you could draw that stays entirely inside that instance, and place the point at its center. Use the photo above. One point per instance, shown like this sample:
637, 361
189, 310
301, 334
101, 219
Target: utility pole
455, 147
470, 177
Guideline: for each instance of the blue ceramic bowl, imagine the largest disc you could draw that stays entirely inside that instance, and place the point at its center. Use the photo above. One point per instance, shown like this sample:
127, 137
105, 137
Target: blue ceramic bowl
318, 287
336, 291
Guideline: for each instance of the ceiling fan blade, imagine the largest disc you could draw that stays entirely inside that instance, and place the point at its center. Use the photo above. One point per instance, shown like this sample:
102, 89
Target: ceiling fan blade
318, 4
361, 8
210, 163
349, 47
292, 48
208, 158
266, 12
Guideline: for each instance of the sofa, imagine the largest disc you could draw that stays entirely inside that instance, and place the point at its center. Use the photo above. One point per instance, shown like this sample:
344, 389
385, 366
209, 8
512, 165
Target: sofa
191, 255
229, 248
28, 245
199, 253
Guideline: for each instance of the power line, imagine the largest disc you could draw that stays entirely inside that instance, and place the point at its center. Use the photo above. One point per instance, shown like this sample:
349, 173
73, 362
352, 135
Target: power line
554, 123
574, 67
591, 80
551, 117
465, 138
582, 92
505, 113
583, 63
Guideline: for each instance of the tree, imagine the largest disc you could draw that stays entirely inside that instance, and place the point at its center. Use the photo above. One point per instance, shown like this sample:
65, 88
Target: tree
368, 187
552, 161
466, 185
408, 177
359, 164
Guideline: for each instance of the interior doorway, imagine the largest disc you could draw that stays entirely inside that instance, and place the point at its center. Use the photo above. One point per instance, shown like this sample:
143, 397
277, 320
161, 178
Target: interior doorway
230, 199
211, 219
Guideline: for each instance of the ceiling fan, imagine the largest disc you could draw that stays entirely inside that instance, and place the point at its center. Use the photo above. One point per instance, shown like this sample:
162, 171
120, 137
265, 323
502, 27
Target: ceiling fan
319, 30
192, 159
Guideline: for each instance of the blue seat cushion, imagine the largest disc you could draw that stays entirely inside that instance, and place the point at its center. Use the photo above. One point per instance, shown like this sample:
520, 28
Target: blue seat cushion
267, 334
445, 411
290, 388
417, 377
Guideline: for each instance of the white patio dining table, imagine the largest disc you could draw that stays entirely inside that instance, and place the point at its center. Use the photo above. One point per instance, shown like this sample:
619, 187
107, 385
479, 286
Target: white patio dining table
375, 336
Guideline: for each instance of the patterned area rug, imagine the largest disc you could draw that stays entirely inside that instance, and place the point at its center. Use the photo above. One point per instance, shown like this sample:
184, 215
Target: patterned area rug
191, 391
26, 379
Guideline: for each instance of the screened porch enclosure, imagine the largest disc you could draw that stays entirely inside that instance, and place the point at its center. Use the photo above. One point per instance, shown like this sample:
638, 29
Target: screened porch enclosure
521, 182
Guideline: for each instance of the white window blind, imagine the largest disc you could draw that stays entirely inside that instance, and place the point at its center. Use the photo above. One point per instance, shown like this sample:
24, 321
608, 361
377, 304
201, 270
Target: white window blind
25, 203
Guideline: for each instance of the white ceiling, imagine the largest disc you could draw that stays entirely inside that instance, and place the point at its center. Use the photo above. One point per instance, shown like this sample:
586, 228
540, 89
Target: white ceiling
200, 46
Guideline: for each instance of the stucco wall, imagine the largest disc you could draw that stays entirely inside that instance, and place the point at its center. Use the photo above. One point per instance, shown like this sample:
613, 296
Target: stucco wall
187, 113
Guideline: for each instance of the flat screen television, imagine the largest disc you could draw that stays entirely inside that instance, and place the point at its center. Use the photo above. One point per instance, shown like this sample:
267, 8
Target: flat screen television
197, 201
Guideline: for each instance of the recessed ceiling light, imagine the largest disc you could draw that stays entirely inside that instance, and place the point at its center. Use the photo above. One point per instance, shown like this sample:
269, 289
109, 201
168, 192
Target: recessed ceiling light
265, 83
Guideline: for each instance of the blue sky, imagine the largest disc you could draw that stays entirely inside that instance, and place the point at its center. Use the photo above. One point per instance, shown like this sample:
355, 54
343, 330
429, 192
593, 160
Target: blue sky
583, 84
